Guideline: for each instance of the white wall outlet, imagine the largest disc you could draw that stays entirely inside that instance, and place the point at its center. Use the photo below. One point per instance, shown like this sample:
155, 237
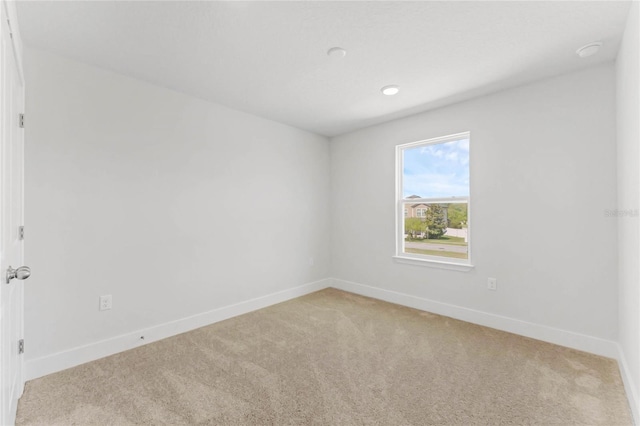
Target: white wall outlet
105, 302
492, 284
311, 261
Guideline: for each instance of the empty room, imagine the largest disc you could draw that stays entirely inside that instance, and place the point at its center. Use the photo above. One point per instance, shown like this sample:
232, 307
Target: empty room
319, 212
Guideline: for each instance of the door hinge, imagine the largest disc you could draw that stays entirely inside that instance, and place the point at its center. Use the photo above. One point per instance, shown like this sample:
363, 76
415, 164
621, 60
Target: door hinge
21, 232
21, 121
20, 346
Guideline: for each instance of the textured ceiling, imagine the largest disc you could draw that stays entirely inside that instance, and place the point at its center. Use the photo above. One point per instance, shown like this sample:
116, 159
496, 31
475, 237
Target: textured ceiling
269, 58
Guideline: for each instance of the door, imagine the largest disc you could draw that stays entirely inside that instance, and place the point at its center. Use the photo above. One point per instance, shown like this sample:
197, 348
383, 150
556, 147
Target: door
11, 219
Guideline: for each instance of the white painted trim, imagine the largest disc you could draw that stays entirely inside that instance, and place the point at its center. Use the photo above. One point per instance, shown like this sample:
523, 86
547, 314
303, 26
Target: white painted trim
70, 358
556, 336
401, 201
446, 200
437, 140
432, 262
12, 16
629, 386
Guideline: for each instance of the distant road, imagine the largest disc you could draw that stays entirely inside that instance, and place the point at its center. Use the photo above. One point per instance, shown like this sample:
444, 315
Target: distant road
435, 246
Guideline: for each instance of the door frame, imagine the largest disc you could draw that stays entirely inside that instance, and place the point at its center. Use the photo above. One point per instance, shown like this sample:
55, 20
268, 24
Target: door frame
8, 12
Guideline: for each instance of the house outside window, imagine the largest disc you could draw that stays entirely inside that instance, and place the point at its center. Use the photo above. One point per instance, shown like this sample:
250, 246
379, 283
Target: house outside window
433, 195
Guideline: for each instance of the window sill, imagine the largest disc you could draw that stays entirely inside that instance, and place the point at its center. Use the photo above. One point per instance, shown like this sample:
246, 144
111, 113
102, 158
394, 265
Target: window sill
464, 267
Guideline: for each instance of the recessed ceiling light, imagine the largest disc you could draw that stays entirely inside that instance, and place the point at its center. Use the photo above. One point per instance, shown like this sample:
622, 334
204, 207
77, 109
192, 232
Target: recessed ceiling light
589, 49
390, 90
337, 52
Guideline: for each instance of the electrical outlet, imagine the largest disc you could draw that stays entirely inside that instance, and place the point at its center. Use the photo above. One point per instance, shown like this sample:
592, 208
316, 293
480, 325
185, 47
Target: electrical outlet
311, 261
492, 284
105, 302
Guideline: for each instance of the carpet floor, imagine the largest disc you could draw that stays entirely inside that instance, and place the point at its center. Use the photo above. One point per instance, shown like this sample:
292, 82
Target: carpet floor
335, 358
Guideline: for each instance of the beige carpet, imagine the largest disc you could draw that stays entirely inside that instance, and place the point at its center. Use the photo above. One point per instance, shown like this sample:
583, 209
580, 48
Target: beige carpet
334, 358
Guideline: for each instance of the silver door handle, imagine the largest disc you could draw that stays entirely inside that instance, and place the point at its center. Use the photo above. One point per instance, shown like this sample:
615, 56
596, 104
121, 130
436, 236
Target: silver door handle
22, 273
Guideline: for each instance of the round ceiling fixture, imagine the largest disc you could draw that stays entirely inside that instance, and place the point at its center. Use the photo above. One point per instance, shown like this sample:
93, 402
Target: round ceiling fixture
390, 90
336, 52
589, 49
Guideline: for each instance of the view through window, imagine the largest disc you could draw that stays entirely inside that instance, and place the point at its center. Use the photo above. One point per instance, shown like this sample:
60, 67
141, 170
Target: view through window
433, 199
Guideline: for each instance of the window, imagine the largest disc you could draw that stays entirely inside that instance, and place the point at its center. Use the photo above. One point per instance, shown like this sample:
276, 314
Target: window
433, 184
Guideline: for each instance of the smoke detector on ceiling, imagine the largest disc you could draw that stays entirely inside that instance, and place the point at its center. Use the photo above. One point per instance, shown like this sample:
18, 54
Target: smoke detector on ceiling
337, 52
589, 49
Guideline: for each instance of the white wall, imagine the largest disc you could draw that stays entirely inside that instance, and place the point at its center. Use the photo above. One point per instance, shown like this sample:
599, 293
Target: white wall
173, 205
628, 111
543, 160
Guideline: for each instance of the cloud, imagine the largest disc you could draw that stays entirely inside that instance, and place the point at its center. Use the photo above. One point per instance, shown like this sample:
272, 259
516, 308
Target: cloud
438, 170
432, 150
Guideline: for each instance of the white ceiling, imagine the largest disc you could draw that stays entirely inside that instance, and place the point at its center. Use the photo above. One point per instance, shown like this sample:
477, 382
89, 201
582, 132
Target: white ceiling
269, 58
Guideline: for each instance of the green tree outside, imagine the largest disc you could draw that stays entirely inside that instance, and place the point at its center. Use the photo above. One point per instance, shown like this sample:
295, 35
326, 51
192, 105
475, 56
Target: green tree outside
436, 221
414, 226
457, 215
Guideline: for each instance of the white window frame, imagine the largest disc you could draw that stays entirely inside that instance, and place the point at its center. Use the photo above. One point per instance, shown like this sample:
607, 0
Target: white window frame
422, 259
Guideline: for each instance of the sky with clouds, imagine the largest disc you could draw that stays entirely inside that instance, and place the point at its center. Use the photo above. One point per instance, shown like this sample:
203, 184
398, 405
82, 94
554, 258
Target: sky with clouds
437, 170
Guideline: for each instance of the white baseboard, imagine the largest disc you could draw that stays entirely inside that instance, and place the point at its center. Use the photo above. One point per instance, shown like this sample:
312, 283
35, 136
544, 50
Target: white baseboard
629, 386
557, 336
70, 358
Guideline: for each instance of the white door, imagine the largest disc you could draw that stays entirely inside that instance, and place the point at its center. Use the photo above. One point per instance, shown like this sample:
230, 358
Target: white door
11, 219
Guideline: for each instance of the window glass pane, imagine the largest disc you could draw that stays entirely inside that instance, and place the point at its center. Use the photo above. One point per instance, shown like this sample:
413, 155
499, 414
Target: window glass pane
436, 171
436, 229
